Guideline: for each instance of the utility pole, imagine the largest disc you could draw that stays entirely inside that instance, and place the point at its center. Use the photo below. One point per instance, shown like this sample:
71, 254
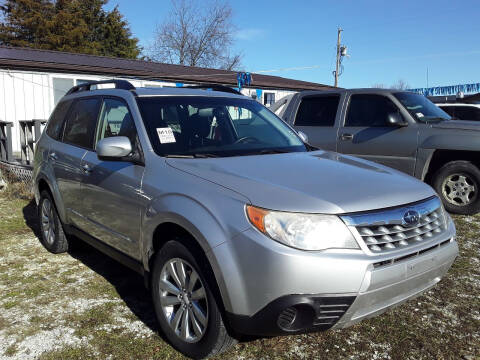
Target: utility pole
337, 65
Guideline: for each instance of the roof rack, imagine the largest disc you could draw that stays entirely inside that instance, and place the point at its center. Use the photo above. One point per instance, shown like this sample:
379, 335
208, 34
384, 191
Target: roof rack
119, 84
216, 87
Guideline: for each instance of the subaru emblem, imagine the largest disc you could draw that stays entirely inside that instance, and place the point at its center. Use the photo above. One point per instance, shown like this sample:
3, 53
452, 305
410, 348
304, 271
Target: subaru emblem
411, 218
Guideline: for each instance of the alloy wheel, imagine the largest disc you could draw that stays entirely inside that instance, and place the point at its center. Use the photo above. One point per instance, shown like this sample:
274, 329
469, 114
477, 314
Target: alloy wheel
459, 189
183, 300
48, 222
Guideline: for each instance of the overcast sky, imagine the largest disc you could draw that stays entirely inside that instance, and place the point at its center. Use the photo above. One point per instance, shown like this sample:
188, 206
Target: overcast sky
387, 40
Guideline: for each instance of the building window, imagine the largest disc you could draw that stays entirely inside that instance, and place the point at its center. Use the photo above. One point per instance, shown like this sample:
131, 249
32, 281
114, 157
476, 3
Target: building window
60, 88
268, 98
82, 81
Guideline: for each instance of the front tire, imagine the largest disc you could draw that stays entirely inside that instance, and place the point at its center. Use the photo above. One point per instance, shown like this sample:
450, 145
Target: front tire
458, 184
185, 306
52, 236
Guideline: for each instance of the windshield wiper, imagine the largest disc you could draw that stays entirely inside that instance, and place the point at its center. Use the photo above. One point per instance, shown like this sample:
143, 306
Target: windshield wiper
191, 156
433, 119
179, 156
206, 155
268, 151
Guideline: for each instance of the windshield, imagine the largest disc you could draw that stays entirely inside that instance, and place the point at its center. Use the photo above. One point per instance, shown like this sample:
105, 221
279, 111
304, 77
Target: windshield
421, 108
211, 126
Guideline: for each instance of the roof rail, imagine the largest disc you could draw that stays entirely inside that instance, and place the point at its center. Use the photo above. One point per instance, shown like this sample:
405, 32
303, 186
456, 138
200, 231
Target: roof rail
119, 84
216, 87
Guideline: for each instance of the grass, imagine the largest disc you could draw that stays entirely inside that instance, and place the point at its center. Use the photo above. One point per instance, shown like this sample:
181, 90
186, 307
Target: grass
83, 305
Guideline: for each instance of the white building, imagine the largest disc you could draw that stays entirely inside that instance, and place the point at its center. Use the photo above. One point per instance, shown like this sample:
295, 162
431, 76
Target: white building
33, 81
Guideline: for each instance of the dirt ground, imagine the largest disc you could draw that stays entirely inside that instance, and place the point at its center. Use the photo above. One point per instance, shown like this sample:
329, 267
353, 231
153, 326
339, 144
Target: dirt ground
83, 305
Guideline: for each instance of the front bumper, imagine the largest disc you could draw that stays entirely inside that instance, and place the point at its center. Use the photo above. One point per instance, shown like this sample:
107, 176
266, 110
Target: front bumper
384, 288
301, 285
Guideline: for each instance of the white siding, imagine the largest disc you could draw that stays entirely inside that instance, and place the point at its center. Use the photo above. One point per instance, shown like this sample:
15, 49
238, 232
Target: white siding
30, 95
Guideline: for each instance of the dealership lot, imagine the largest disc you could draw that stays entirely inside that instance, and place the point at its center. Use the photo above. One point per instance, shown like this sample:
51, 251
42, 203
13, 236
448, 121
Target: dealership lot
84, 305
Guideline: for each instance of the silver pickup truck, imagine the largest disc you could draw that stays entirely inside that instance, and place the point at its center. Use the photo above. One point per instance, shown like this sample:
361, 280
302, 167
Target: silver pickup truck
399, 129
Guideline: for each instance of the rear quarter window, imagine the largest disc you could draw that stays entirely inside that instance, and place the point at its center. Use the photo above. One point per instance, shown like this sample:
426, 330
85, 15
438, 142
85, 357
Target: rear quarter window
55, 123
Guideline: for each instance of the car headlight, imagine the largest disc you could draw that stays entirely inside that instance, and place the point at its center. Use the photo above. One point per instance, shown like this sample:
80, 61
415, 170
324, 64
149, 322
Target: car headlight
302, 231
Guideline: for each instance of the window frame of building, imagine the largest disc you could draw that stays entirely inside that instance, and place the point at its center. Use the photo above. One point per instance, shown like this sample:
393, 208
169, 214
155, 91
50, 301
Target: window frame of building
60, 90
268, 98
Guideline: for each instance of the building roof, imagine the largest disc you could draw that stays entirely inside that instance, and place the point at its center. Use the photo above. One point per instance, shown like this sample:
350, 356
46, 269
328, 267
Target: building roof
56, 61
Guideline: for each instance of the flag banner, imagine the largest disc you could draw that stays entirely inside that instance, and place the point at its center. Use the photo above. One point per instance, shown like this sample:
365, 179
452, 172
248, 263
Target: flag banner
448, 90
243, 79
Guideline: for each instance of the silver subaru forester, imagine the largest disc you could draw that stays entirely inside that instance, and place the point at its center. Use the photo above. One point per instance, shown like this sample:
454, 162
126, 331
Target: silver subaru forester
238, 226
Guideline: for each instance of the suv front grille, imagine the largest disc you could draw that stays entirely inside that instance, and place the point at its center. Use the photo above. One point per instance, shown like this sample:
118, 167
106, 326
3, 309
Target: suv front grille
386, 230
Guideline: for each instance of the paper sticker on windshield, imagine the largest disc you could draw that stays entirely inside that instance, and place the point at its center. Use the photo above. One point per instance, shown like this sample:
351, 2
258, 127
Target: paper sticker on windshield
419, 114
165, 135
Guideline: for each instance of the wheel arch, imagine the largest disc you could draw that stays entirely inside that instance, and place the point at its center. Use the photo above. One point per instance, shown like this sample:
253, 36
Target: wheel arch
43, 183
440, 157
172, 230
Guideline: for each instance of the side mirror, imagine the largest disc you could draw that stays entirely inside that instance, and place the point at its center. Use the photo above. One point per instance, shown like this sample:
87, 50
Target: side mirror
303, 136
114, 148
395, 119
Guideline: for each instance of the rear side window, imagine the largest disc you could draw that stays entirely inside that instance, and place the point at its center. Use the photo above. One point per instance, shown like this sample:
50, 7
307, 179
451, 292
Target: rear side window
317, 111
370, 110
55, 122
81, 123
450, 110
467, 113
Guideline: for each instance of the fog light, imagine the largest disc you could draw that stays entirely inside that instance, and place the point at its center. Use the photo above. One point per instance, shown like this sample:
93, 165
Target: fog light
287, 318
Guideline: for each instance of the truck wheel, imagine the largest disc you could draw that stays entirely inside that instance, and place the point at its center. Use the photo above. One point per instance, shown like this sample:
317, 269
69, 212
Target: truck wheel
52, 237
458, 184
185, 306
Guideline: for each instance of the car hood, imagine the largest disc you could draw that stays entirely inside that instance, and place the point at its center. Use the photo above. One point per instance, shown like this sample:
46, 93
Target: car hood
458, 124
316, 182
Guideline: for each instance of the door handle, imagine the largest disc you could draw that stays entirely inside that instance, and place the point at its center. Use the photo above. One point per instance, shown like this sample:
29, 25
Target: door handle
346, 137
87, 169
52, 156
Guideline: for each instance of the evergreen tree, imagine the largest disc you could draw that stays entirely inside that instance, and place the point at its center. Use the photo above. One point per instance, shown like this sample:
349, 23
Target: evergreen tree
81, 26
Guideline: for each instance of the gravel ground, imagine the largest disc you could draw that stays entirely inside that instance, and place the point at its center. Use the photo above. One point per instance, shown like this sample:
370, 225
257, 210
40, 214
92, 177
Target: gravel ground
82, 305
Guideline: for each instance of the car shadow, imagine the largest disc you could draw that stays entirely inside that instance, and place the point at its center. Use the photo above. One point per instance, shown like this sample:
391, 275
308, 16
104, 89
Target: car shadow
128, 284
30, 216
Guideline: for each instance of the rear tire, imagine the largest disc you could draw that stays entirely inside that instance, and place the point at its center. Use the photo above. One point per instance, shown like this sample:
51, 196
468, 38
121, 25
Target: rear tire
187, 299
458, 185
52, 236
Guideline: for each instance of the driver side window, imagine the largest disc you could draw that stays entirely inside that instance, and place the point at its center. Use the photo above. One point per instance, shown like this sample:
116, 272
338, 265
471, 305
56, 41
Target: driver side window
369, 110
115, 120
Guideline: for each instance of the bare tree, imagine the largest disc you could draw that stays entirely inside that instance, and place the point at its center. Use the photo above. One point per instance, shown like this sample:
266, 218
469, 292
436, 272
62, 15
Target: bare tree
400, 85
197, 34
